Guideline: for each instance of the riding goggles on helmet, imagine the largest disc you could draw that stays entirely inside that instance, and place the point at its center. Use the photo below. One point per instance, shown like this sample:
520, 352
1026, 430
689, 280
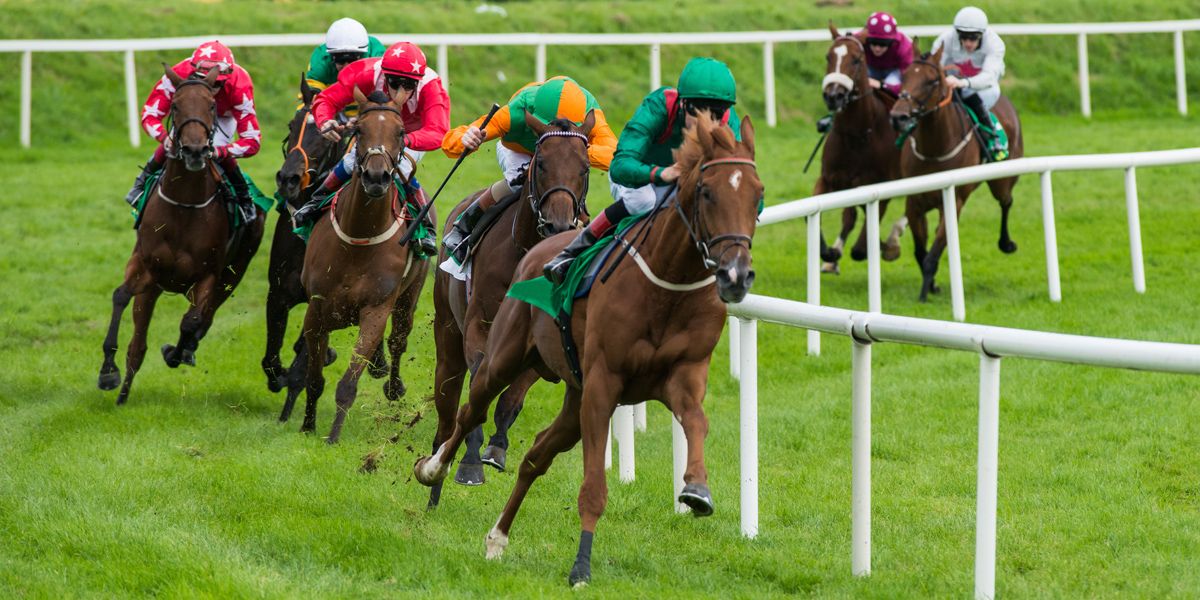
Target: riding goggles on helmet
716, 108
883, 42
205, 66
969, 36
400, 81
345, 58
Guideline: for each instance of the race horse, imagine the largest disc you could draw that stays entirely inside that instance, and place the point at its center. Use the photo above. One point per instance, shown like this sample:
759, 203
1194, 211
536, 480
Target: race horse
356, 271
861, 147
186, 243
551, 200
941, 139
646, 332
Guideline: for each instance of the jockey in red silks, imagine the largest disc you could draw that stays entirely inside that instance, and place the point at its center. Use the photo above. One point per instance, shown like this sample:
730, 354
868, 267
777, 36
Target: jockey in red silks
402, 75
889, 52
234, 112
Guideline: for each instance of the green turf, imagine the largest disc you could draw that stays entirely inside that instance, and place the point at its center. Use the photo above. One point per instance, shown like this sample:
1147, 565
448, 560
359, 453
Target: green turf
192, 489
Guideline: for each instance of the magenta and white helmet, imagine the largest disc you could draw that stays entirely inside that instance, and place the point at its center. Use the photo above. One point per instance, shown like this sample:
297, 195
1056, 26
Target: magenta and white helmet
882, 26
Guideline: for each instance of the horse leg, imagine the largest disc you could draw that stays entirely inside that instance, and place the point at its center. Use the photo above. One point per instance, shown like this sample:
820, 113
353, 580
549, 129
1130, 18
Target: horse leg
278, 305
560, 436
933, 260
601, 389
919, 225
402, 325
316, 340
143, 309
110, 375
448, 376
194, 324
830, 255
891, 247
470, 468
859, 251
507, 408
377, 367
372, 323
689, 410
1002, 191
295, 378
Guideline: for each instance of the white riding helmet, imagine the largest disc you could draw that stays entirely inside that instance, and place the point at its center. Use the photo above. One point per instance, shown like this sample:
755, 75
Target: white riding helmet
346, 35
971, 19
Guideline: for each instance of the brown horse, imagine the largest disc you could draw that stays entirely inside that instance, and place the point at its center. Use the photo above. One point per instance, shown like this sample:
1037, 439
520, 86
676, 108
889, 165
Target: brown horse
355, 271
861, 148
639, 337
184, 242
306, 154
942, 140
551, 201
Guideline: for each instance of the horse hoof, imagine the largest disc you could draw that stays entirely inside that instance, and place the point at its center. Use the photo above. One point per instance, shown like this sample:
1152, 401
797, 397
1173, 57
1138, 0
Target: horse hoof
890, 252
168, 351
697, 497
580, 576
495, 543
831, 255
1008, 246
830, 267
428, 477
494, 457
122, 397
110, 381
187, 357
858, 255
469, 474
377, 371
394, 391
330, 356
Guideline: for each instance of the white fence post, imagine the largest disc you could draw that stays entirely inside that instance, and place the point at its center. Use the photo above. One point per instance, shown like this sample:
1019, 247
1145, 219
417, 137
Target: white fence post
26, 95
1135, 231
814, 277
748, 423
655, 66
860, 494
954, 253
1085, 86
679, 460
131, 100
443, 58
639, 417
1180, 79
874, 291
1051, 235
623, 430
541, 63
734, 366
989, 458
769, 82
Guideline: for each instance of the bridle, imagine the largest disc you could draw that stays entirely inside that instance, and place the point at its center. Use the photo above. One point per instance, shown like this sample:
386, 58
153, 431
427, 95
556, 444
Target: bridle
209, 126
696, 227
537, 200
310, 170
380, 150
921, 107
847, 81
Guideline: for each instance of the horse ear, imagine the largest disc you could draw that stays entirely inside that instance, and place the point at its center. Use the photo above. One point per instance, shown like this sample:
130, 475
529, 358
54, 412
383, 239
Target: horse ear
704, 127
833, 30
534, 125
588, 122
211, 78
172, 76
916, 47
937, 56
307, 92
748, 134
359, 98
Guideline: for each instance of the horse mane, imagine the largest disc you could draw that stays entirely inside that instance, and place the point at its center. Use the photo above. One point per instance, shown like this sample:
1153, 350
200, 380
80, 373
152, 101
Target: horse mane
378, 97
562, 124
693, 151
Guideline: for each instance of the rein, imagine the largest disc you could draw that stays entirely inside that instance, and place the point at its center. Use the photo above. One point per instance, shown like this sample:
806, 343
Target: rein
921, 111
536, 200
209, 126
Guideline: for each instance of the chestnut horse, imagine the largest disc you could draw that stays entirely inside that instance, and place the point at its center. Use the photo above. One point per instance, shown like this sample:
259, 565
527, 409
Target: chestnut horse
355, 271
552, 200
639, 337
861, 149
944, 138
183, 244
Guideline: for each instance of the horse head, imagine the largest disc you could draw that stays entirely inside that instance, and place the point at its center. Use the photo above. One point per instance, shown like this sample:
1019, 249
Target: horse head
193, 117
923, 90
845, 70
720, 178
304, 149
380, 132
558, 173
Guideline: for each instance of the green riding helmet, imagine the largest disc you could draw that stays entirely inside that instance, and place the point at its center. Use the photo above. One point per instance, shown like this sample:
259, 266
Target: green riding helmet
709, 79
562, 98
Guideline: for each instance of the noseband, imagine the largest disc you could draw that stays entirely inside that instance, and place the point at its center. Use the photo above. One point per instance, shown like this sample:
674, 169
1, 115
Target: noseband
209, 126
921, 108
699, 231
847, 81
380, 150
537, 200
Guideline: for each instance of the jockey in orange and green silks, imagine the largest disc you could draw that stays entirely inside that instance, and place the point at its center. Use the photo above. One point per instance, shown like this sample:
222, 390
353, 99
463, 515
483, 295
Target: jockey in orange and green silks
643, 167
556, 98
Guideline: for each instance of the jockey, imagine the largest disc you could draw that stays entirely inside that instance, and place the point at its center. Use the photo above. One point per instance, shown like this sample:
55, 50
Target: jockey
345, 42
556, 98
643, 168
974, 59
234, 112
402, 75
889, 52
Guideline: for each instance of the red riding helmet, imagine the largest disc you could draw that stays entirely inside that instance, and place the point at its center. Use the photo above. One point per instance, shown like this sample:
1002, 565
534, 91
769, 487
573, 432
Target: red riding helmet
213, 54
404, 59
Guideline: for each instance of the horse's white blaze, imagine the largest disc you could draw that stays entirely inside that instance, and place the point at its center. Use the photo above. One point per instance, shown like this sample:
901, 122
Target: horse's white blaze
732, 274
840, 52
735, 179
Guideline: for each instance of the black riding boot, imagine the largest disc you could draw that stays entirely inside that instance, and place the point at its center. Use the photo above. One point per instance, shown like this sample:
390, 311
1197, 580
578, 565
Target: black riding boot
241, 193
457, 236
556, 269
426, 245
139, 184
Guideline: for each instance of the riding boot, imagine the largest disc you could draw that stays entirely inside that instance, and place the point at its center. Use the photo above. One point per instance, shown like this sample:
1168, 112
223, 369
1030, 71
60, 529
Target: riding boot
307, 214
241, 193
426, 245
983, 119
556, 269
139, 184
456, 238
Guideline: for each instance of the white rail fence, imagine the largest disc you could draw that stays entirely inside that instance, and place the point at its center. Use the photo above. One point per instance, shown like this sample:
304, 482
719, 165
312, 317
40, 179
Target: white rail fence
870, 195
654, 41
990, 343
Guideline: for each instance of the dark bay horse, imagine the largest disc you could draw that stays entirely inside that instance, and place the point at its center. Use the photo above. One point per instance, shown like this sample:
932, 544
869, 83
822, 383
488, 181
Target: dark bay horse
638, 339
861, 147
306, 154
943, 139
183, 244
356, 272
552, 200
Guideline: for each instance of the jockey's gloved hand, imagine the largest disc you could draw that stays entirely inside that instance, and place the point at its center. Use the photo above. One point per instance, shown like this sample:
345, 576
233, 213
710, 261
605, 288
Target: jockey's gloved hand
331, 131
473, 137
